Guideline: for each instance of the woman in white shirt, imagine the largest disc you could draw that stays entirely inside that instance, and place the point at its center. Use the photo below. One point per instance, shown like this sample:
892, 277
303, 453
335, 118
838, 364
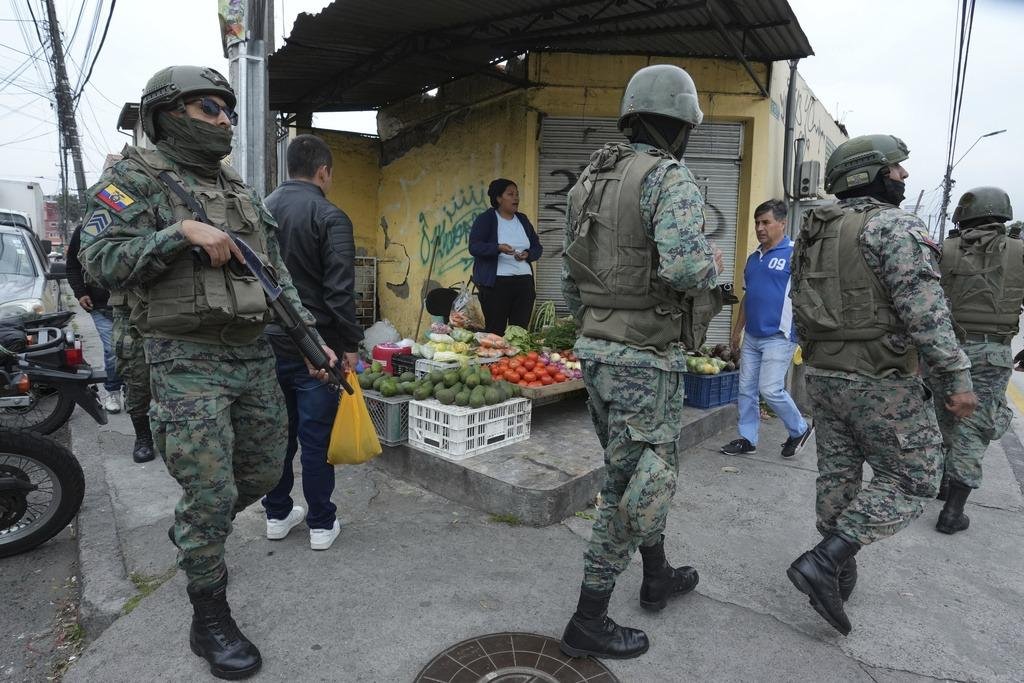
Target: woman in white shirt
504, 244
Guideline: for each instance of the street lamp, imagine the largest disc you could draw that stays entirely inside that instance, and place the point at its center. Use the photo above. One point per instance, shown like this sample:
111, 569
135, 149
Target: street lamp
947, 181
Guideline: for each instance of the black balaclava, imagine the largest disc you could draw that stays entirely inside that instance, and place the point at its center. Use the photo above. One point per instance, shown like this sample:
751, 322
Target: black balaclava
668, 134
883, 188
192, 143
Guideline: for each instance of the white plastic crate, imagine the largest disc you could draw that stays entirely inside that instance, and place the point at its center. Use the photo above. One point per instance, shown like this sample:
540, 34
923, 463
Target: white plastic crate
425, 366
457, 433
390, 416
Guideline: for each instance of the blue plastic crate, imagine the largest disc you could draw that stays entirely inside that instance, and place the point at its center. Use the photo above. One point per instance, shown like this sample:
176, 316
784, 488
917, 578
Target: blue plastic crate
708, 391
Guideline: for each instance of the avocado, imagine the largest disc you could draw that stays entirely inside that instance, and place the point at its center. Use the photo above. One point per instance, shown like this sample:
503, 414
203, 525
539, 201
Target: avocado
472, 380
407, 377
462, 398
436, 376
379, 381
446, 396
423, 392
492, 396
451, 378
477, 400
389, 388
376, 367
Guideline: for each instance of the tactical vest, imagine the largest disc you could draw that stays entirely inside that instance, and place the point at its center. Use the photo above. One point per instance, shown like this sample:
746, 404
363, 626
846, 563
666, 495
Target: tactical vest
612, 259
193, 302
844, 315
983, 276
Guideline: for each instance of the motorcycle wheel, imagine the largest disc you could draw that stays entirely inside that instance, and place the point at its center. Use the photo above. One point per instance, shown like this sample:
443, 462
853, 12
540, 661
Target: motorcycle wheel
48, 411
30, 518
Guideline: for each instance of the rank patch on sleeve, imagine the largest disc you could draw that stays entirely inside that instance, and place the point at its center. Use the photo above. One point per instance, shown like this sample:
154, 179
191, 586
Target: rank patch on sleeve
98, 222
114, 197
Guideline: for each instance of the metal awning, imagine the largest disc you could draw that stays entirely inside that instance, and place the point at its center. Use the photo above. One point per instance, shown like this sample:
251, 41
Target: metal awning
366, 54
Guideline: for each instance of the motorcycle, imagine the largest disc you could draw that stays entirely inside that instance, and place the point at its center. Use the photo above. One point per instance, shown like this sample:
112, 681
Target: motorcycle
41, 489
57, 376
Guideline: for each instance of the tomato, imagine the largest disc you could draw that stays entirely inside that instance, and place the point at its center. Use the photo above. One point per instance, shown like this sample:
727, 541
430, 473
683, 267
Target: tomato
535, 384
514, 363
529, 364
532, 355
511, 376
546, 380
559, 377
523, 383
530, 376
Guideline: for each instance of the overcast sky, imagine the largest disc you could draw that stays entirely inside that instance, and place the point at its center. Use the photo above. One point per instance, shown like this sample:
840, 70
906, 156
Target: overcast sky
880, 66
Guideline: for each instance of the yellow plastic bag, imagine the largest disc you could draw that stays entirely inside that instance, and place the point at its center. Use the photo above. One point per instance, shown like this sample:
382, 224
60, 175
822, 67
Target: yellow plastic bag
353, 438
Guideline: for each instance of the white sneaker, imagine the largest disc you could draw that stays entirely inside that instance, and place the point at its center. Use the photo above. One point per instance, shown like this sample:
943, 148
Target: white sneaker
279, 528
322, 539
112, 403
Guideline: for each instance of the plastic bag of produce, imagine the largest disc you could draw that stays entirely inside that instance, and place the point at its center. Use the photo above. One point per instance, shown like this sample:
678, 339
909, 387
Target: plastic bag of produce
466, 311
353, 438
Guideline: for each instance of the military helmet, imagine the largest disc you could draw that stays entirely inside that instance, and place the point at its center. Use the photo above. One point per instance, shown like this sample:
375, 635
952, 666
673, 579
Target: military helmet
983, 202
168, 85
857, 161
661, 89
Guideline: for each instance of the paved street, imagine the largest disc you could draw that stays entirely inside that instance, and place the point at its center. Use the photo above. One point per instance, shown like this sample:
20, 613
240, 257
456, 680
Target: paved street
413, 574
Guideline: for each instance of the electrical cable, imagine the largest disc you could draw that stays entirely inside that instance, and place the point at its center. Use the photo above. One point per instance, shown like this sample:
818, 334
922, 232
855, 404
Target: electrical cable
99, 49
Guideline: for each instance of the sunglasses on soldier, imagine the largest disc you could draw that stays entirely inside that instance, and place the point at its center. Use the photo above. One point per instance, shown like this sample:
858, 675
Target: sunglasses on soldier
211, 107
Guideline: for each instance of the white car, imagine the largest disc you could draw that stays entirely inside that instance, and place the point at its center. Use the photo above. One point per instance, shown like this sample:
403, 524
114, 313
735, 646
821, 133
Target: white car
29, 283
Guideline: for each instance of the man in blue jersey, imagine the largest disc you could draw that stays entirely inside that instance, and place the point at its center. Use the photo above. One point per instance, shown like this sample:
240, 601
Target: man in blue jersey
766, 315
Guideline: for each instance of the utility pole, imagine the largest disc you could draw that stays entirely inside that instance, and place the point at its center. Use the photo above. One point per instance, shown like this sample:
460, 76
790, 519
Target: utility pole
247, 71
917, 206
65, 105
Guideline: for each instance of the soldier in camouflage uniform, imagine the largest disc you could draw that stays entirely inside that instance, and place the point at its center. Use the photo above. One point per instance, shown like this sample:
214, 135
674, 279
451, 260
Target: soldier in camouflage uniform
633, 247
867, 301
217, 413
983, 276
134, 371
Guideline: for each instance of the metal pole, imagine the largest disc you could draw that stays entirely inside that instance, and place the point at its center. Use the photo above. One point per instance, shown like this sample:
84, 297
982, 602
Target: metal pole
918, 205
948, 182
248, 75
65, 105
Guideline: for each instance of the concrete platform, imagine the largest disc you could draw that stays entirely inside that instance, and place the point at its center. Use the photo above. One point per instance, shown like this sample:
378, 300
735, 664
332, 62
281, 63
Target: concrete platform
554, 474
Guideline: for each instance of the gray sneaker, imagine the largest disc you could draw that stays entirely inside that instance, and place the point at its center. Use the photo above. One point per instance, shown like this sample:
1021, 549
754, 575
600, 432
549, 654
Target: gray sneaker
739, 447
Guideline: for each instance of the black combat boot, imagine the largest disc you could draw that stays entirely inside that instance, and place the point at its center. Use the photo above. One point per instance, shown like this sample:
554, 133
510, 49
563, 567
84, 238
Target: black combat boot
952, 518
215, 636
816, 575
847, 578
661, 580
143, 449
591, 633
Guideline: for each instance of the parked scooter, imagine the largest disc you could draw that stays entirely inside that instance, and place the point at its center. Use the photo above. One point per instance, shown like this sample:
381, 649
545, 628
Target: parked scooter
48, 375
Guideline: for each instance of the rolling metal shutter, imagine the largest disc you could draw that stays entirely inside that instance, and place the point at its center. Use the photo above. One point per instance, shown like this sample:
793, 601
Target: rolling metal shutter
713, 155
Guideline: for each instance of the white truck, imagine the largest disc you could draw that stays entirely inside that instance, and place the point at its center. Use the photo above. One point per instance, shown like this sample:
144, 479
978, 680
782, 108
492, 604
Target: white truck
21, 199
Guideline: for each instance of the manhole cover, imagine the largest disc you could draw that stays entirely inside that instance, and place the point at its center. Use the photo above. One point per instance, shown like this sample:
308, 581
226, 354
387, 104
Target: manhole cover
511, 658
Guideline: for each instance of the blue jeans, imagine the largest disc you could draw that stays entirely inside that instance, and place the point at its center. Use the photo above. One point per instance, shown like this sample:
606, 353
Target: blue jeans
311, 406
763, 366
104, 322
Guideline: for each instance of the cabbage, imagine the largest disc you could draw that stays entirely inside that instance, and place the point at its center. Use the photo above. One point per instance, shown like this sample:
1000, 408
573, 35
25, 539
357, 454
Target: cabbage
519, 337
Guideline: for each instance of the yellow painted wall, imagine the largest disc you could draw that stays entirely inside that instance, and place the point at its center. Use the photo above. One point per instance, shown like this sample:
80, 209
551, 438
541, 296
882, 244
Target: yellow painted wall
435, 190
356, 182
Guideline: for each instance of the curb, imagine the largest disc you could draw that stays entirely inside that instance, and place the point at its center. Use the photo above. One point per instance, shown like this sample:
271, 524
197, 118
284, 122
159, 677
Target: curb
105, 586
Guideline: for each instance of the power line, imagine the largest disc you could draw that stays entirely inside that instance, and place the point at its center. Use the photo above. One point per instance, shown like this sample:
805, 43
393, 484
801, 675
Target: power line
966, 26
99, 49
14, 142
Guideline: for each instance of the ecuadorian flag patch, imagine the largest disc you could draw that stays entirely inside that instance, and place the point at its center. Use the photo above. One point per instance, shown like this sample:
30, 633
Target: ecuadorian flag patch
98, 222
114, 197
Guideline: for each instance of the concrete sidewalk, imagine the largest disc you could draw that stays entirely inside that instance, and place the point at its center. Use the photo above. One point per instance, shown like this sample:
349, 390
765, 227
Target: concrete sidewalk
413, 574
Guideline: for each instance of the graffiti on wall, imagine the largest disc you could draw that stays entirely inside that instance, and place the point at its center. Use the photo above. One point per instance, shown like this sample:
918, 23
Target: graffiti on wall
811, 121
444, 236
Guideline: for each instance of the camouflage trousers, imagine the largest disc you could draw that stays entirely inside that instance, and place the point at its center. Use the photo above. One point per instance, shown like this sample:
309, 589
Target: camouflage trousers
637, 413
131, 364
965, 441
888, 424
222, 430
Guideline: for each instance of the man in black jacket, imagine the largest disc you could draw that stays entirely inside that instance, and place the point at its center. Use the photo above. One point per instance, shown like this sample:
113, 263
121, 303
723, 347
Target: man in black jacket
319, 250
94, 300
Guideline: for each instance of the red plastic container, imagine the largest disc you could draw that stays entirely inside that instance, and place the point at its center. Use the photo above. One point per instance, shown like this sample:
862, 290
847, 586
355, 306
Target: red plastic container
383, 353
